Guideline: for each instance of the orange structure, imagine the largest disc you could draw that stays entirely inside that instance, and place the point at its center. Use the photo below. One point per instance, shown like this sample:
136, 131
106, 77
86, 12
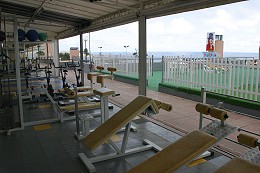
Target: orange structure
74, 53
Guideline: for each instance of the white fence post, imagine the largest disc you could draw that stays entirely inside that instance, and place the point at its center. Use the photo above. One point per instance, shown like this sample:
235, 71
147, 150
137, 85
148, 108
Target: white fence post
247, 79
252, 81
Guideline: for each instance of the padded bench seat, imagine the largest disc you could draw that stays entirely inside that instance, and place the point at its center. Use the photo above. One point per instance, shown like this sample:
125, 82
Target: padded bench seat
117, 121
84, 88
103, 92
82, 106
238, 165
177, 154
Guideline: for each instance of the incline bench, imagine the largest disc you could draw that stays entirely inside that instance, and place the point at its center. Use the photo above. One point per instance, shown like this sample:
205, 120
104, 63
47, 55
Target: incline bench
177, 154
238, 165
123, 117
248, 162
190, 146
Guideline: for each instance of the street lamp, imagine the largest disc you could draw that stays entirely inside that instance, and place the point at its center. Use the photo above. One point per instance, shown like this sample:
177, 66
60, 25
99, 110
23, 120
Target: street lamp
259, 50
100, 50
126, 49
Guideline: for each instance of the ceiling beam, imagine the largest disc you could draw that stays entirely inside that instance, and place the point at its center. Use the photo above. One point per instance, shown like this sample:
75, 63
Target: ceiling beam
36, 12
58, 8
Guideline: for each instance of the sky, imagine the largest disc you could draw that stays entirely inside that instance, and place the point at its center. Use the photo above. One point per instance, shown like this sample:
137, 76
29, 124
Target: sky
239, 23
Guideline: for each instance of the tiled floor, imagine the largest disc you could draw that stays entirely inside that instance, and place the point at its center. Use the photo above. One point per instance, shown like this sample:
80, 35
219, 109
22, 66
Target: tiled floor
55, 149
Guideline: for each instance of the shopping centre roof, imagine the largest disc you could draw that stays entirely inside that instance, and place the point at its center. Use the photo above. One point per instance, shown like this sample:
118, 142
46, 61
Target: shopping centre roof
65, 18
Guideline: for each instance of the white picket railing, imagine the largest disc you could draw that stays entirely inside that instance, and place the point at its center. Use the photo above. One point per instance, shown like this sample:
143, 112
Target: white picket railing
228, 76
125, 65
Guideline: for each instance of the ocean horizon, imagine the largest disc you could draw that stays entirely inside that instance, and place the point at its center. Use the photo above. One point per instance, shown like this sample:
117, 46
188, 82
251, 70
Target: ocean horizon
188, 54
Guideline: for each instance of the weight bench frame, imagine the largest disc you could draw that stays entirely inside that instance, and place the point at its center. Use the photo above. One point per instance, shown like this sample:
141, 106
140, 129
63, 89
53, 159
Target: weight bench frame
92, 143
217, 129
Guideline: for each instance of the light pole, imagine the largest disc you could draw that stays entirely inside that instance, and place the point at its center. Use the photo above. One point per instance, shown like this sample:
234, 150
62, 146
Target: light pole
259, 51
126, 49
86, 50
100, 50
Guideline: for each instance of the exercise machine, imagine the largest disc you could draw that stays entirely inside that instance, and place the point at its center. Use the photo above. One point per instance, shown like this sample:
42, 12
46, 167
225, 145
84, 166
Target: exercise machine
191, 146
83, 118
48, 79
77, 72
101, 78
63, 73
104, 132
247, 162
49, 87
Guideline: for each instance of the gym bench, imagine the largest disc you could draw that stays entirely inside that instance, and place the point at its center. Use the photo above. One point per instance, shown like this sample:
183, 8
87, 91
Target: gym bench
189, 147
122, 118
248, 162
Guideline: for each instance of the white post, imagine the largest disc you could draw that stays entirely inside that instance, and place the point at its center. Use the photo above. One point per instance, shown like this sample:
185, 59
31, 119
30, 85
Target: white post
221, 75
163, 66
89, 51
219, 71
171, 74
252, 81
179, 71
242, 80
197, 72
47, 49
126, 66
257, 80
233, 77
214, 74
227, 66
142, 56
210, 75
247, 78
76, 113
18, 75
230, 77
81, 58
191, 74
206, 70
238, 76
167, 68
56, 58
203, 100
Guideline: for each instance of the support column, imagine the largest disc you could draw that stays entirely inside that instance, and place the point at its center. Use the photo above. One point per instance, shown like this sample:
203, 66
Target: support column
17, 70
259, 52
89, 51
47, 47
81, 58
27, 52
32, 52
142, 56
56, 58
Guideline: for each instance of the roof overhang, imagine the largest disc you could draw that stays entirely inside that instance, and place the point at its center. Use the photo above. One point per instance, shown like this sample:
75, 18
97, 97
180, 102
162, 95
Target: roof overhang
66, 18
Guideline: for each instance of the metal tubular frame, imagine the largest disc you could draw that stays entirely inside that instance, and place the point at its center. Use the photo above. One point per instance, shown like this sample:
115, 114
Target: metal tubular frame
204, 97
120, 152
18, 75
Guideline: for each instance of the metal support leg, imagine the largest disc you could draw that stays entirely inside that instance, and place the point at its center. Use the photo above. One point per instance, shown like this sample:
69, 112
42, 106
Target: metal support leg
203, 96
104, 108
125, 139
84, 126
77, 111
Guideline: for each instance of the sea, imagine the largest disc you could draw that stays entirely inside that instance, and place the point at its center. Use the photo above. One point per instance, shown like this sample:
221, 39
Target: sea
158, 55
187, 54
